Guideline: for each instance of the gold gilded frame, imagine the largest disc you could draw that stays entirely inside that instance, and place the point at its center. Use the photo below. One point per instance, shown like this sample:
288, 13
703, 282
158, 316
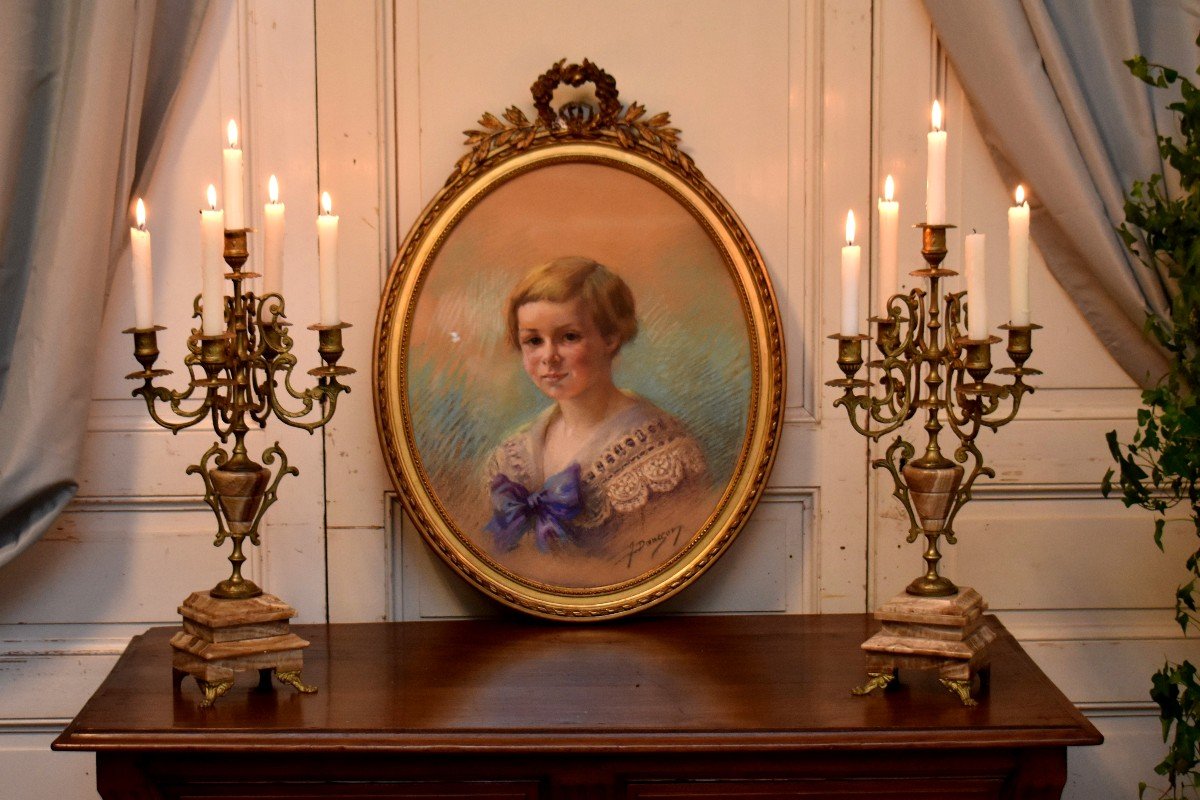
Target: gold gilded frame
606, 134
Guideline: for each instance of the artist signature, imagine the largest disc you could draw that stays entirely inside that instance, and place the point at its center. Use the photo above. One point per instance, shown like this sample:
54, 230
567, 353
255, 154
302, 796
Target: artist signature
652, 545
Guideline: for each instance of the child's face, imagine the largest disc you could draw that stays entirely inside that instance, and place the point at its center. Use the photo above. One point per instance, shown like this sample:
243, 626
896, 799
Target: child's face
562, 350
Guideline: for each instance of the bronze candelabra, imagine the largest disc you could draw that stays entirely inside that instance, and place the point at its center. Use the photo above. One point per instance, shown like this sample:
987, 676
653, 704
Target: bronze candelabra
245, 371
928, 365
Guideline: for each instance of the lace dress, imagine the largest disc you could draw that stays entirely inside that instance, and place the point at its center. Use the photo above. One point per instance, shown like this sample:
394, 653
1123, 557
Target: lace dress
634, 495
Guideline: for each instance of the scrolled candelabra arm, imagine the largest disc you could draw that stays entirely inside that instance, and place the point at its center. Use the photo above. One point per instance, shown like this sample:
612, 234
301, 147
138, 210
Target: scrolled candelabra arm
969, 402
956, 315
328, 387
989, 396
896, 456
895, 366
1019, 349
145, 350
861, 406
850, 361
273, 325
888, 327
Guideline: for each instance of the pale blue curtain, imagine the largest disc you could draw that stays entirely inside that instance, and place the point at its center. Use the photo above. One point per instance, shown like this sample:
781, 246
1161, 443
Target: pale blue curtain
1062, 114
85, 87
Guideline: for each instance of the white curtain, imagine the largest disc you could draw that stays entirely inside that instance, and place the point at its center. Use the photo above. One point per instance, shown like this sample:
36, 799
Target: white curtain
86, 90
1063, 115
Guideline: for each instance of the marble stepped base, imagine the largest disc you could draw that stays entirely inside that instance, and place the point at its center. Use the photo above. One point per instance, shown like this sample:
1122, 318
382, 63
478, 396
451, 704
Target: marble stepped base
946, 634
221, 638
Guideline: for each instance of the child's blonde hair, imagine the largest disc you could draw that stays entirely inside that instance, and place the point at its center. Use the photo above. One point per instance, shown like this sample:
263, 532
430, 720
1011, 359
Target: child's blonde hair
604, 294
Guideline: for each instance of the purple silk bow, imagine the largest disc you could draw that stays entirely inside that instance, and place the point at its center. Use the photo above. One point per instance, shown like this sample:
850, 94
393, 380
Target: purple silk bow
548, 509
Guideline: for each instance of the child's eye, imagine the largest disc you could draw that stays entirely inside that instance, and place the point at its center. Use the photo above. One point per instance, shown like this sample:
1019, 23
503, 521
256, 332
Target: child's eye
531, 341
572, 336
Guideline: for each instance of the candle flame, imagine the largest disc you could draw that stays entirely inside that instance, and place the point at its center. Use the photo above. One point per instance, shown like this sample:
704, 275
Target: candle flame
232, 133
140, 213
849, 228
273, 189
937, 116
326, 203
212, 197
889, 189
1020, 194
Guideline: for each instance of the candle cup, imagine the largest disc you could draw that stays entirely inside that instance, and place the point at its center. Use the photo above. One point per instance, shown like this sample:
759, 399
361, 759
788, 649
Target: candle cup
236, 249
330, 349
213, 351
979, 358
933, 242
1020, 342
145, 350
850, 355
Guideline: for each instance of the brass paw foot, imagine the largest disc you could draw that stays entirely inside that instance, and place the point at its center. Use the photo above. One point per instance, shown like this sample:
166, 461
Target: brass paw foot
962, 689
875, 680
213, 690
293, 679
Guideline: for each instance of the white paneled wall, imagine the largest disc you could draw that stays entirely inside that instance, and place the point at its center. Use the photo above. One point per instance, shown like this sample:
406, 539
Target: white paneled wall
795, 110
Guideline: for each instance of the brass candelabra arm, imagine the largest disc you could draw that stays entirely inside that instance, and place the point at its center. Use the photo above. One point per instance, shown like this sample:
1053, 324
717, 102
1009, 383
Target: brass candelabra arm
956, 314
898, 403
1019, 349
325, 392
857, 403
279, 377
211, 495
983, 401
145, 350
272, 325
968, 397
904, 313
896, 456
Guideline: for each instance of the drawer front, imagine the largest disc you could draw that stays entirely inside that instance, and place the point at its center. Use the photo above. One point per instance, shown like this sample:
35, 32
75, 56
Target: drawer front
480, 790
926, 788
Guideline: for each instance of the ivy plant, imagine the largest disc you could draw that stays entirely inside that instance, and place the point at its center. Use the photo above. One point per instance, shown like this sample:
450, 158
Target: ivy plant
1159, 468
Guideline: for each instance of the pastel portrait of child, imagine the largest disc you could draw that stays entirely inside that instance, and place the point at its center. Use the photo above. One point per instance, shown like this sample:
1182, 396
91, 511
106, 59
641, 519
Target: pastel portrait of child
602, 485
578, 382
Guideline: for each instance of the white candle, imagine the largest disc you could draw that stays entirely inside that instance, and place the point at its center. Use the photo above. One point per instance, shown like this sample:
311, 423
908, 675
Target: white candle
889, 234
143, 278
327, 240
212, 239
851, 262
977, 322
935, 174
273, 239
235, 216
1018, 260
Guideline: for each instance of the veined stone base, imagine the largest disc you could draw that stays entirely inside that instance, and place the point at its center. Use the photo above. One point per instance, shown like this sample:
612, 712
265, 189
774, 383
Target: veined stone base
947, 634
221, 638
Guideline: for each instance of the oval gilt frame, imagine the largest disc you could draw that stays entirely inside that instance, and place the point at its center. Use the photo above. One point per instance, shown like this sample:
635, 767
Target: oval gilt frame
705, 374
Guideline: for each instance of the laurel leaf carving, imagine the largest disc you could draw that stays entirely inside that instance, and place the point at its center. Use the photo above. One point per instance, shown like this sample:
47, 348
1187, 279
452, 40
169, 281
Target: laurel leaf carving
488, 120
516, 117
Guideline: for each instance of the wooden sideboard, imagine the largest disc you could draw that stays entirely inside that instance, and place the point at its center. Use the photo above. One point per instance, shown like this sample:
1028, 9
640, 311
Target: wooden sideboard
683, 707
